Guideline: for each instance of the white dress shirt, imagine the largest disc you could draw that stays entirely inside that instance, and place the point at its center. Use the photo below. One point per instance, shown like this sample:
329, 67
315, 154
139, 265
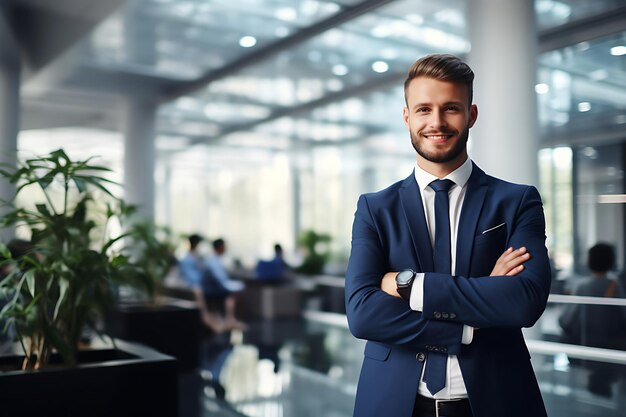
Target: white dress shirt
455, 386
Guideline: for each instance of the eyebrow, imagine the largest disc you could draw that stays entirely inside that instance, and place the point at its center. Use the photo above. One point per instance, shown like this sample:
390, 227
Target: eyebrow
447, 103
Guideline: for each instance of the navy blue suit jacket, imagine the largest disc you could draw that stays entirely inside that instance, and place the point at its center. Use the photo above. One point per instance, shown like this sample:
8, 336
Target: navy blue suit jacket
390, 234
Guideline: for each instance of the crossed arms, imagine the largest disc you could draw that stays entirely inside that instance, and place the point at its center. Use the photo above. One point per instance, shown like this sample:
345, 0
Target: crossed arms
513, 295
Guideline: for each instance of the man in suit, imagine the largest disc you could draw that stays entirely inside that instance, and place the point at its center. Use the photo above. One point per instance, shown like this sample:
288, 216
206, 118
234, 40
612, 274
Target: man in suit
446, 268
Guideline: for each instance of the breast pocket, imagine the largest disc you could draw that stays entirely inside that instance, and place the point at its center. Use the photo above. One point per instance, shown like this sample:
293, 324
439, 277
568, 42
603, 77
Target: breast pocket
488, 247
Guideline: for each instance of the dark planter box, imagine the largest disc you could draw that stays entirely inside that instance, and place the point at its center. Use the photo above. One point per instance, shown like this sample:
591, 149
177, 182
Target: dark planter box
129, 381
171, 327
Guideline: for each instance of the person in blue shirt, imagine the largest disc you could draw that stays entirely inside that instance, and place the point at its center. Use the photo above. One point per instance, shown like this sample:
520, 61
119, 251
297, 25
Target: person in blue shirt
213, 289
275, 270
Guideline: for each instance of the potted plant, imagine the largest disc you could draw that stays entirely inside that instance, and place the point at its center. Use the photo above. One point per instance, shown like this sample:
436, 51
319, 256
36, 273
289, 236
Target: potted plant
168, 324
68, 279
316, 250
151, 249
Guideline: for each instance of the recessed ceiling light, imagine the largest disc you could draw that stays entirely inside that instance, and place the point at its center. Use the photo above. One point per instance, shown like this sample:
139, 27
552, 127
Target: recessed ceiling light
542, 88
281, 31
187, 103
287, 14
414, 18
334, 85
381, 31
340, 70
618, 50
389, 53
599, 74
380, 67
582, 46
590, 152
584, 106
247, 41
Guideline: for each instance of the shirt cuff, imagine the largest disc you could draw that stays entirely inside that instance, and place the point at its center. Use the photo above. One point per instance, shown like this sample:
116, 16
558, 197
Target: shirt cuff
417, 293
468, 335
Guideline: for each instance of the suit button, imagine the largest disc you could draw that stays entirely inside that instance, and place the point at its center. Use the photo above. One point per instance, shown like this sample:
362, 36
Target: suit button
445, 315
437, 315
420, 357
452, 315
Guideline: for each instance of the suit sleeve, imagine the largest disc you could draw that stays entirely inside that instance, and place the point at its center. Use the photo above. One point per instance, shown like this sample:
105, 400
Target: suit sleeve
500, 301
375, 315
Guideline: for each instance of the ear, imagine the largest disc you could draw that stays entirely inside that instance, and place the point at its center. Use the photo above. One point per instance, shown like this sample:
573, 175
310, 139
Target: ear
405, 116
473, 115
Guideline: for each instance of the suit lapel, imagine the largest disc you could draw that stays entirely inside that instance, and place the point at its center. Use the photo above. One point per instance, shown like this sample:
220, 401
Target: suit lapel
470, 213
414, 214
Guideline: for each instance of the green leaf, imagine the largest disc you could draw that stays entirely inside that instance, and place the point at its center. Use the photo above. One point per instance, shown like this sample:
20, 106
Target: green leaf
73, 231
5, 252
119, 261
80, 184
45, 181
43, 209
30, 281
63, 286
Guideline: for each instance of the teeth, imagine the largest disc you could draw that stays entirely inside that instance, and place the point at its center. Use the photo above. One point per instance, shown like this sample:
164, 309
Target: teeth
438, 137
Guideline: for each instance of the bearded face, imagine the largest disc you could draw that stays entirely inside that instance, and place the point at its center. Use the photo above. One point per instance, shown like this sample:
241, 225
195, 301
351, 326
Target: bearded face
438, 116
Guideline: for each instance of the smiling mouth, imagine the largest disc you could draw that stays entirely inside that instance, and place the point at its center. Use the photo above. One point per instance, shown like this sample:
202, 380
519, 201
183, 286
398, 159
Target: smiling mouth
439, 138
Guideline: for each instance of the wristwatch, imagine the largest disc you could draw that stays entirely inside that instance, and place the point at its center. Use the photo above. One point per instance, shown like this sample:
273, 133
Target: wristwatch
404, 283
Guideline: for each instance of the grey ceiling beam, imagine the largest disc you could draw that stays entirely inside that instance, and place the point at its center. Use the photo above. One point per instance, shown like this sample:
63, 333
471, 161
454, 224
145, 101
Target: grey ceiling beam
604, 24
45, 30
261, 54
299, 142
377, 83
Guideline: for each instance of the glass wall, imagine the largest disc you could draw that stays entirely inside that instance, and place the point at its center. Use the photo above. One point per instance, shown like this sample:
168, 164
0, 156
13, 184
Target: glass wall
599, 199
555, 171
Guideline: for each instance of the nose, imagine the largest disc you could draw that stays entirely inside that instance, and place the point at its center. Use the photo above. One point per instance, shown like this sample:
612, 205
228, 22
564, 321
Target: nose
437, 119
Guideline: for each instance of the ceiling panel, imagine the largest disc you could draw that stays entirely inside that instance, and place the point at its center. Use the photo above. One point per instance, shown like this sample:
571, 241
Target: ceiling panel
184, 39
553, 13
371, 52
583, 88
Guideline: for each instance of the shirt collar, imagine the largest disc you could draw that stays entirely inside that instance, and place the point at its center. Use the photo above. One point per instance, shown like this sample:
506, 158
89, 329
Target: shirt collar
459, 176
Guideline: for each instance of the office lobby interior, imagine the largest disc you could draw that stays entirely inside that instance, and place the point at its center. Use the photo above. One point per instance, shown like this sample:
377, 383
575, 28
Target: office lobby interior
261, 122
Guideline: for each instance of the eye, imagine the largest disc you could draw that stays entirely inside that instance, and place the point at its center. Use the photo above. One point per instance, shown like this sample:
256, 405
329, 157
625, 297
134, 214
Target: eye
422, 110
452, 109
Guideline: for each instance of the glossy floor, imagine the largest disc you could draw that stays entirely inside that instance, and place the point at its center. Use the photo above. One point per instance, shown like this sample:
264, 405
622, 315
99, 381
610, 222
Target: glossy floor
309, 367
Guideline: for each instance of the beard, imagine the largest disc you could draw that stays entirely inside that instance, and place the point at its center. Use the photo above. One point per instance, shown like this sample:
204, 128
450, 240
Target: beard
440, 157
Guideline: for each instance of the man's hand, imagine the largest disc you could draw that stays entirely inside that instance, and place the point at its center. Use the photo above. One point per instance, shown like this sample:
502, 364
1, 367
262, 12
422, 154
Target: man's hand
388, 284
510, 262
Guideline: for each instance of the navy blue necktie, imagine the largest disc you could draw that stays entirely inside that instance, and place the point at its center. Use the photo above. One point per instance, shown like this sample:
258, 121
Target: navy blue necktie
435, 373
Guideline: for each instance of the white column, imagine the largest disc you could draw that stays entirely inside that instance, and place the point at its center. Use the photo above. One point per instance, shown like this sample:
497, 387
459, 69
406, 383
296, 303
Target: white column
139, 154
9, 121
504, 141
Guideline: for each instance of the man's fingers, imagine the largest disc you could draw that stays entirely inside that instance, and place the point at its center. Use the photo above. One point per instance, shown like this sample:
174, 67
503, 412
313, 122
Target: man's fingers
512, 263
515, 270
509, 262
510, 254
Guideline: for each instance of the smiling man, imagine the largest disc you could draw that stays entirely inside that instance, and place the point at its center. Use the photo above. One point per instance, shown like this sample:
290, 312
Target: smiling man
446, 268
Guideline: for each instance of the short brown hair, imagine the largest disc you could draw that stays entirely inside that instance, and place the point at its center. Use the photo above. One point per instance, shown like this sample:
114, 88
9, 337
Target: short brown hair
442, 67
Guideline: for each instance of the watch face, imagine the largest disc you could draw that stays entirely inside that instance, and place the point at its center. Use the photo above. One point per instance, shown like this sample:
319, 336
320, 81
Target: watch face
404, 277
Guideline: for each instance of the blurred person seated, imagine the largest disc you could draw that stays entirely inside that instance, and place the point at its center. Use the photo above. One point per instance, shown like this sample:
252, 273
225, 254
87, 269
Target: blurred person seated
597, 325
217, 267
214, 294
275, 271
